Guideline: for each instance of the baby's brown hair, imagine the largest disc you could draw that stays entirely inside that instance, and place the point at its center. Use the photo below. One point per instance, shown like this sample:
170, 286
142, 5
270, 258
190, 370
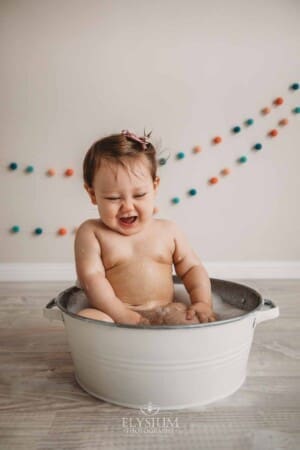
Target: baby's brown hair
116, 148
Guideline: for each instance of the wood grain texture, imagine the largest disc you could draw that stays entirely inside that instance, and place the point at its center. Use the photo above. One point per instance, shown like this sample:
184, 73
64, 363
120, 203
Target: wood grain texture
42, 407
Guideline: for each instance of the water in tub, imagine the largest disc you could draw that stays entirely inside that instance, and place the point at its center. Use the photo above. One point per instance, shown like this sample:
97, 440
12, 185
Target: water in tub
222, 309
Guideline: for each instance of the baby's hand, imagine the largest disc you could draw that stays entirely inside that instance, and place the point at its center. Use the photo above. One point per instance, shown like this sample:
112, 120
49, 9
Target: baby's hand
143, 321
132, 318
138, 319
203, 311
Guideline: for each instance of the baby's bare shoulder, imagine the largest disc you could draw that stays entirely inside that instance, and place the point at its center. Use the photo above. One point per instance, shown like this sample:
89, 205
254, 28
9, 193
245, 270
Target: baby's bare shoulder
166, 225
87, 230
89, 225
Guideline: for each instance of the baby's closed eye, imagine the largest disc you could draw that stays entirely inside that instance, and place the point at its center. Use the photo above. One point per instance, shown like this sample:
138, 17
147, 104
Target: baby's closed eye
140, 195
119, 198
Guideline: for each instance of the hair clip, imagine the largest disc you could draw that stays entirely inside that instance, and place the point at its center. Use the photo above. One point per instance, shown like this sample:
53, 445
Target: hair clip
142, 140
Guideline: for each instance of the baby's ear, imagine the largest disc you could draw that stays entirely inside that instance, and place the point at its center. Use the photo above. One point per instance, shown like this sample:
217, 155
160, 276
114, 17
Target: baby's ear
156, 183
91, 193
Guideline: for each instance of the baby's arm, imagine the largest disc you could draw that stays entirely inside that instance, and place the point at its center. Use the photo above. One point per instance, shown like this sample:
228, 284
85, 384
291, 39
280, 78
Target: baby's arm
91, 274
194, 276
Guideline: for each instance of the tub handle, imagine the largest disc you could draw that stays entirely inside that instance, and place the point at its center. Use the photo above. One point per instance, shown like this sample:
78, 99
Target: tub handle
52, 314
268, 311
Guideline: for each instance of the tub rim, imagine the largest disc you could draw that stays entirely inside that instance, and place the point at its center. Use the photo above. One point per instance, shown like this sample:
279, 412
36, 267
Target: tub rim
176, 280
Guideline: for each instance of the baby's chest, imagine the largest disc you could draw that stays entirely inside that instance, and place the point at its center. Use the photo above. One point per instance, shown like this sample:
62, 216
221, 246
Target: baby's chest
124, 251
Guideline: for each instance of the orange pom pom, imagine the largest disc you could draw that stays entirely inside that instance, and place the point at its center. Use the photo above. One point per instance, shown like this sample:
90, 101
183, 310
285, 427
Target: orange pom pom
283, 122
62, 231
51, 172
214, 180
197, 149
266, 110
225, 171
217, 140
273, 133
278, 101
69, 172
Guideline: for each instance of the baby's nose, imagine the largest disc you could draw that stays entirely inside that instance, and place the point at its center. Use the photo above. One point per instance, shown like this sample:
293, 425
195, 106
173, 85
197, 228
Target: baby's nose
127, 205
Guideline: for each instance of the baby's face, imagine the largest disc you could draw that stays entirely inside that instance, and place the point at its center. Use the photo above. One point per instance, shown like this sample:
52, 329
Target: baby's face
124, 196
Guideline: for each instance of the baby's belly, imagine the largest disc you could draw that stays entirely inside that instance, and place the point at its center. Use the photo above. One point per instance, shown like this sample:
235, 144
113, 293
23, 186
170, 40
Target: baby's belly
143, 285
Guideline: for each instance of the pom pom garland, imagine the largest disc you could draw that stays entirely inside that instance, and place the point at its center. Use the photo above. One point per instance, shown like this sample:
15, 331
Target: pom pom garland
266, 110
162, 161
197, 149
236, 129
243, 159
283, 122
278, 101
217, 140
69, 172
29, 169
273, 133
13, 166
51, 172
38, 231
62, 231
225, 171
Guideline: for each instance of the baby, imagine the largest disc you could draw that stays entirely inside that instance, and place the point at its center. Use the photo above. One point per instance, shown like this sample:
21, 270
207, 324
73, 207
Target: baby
124, 259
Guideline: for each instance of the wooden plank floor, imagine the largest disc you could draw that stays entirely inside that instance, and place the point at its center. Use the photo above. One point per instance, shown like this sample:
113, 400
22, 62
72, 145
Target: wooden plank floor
42, 407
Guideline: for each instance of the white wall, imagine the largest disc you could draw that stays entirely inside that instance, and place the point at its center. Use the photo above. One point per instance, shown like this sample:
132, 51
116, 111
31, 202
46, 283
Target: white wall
73, 71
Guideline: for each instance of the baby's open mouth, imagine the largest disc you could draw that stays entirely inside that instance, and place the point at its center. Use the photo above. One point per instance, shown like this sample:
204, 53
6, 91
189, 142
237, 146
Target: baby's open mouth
128, 220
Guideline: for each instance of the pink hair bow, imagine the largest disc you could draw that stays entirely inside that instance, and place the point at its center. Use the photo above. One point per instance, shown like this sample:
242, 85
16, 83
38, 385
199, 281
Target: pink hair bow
142, 140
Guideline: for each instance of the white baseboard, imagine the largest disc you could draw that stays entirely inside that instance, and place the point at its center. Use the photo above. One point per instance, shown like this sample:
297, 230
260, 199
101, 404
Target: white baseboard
254, 270
223, 270
37, 272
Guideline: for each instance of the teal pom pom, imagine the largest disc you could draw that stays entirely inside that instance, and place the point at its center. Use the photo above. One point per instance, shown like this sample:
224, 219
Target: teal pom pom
297, 110
295, 86
249, 122
243, 159
38, 231
162, 161
192, 192
13, 166
236, 129
175, 200
29, 169
15, 229
180, 155
258, 146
